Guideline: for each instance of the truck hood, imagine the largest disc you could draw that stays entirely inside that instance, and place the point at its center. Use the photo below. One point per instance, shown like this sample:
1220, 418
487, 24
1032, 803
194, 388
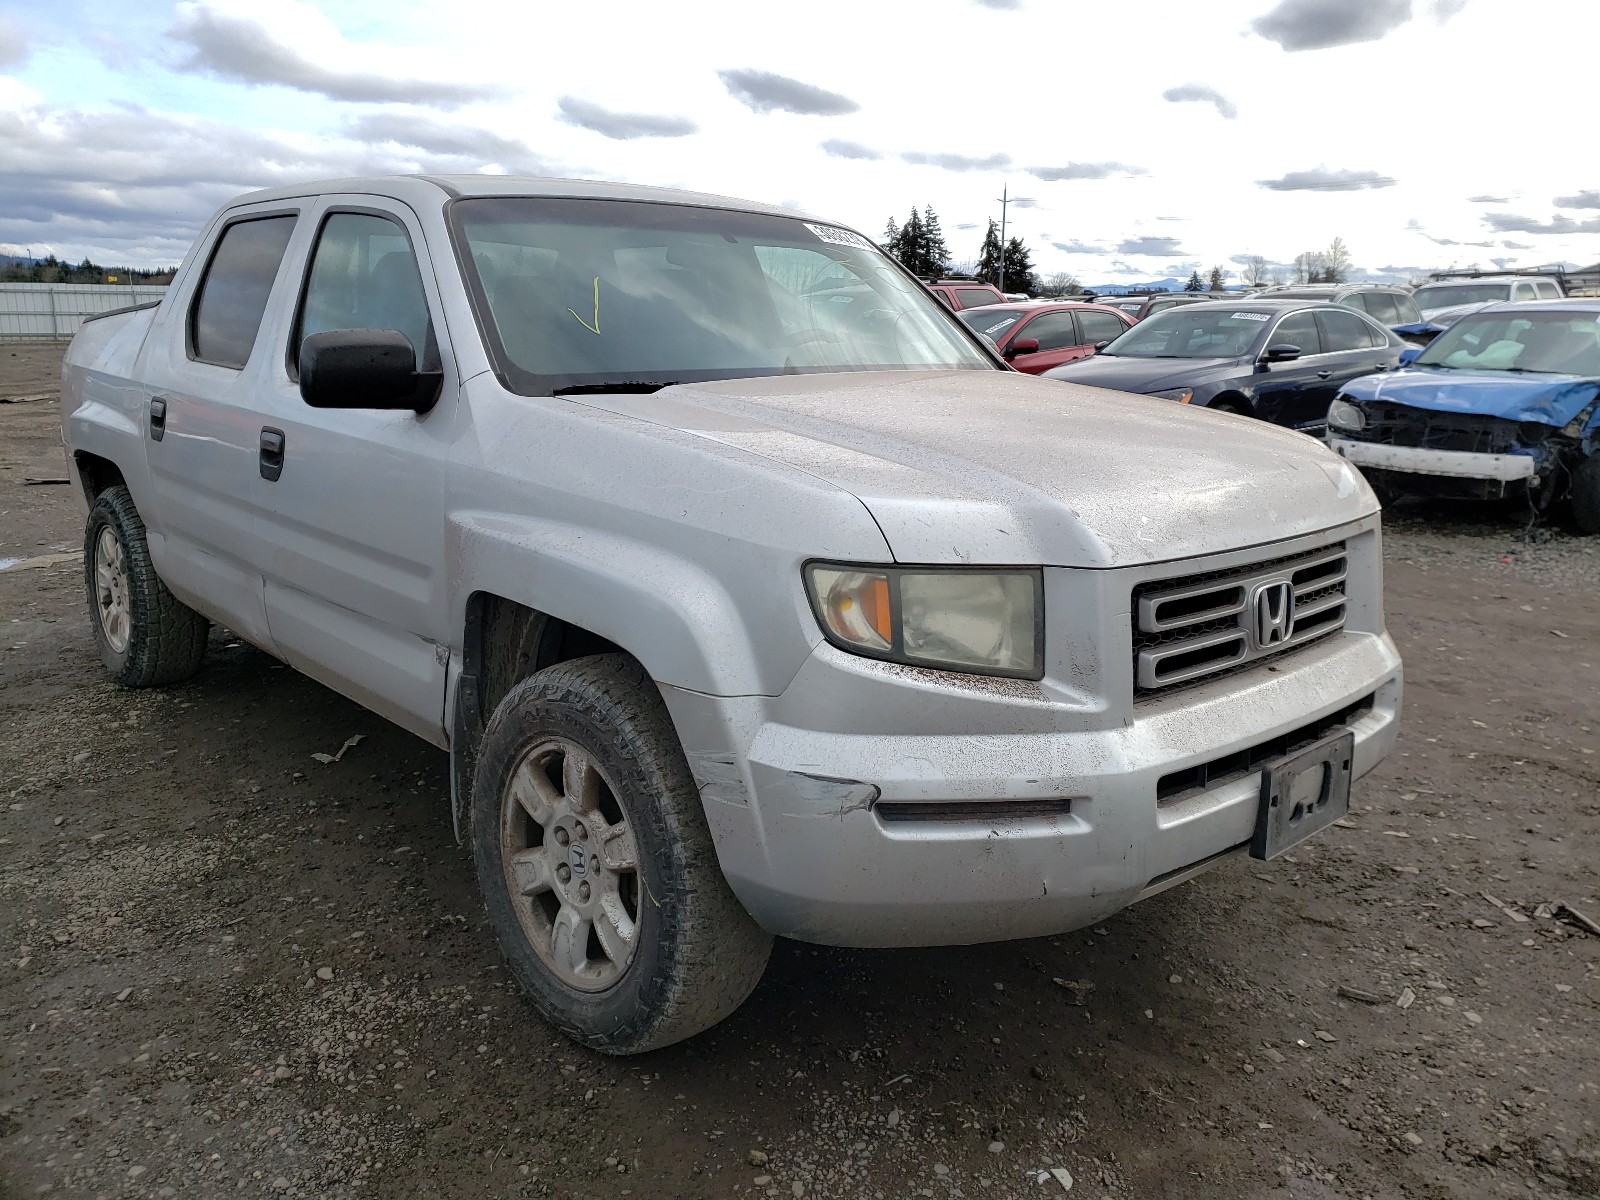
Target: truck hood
1130, 374
1547, 399
1000, 467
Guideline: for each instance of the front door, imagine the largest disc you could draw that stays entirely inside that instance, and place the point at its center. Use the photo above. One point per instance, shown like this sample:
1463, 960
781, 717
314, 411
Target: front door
355, 585
1296, 392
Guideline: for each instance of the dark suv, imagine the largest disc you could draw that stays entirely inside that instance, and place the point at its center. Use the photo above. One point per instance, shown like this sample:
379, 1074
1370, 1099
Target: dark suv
1140, 307
1391, 306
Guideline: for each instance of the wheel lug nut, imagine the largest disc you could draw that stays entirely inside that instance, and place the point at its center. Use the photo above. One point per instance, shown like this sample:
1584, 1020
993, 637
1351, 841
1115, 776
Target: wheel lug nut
583, 833
594, 865
583, 892
562, 837
564, 873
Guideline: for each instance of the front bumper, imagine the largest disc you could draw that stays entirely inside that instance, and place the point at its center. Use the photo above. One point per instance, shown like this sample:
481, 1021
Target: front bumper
797, 802
1453, 464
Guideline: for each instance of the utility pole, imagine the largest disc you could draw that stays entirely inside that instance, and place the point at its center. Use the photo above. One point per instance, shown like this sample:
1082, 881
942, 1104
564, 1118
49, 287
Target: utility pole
1005, 202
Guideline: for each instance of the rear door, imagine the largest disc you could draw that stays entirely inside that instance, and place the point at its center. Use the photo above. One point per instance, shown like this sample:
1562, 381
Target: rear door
1095, 327
1352, 347
355, 584
204, 371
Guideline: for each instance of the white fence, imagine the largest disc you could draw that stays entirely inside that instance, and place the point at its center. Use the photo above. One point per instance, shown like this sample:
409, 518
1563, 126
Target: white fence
53, 311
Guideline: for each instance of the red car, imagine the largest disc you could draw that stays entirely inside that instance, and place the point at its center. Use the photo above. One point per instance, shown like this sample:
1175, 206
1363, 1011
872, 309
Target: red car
1035, 337
964, 293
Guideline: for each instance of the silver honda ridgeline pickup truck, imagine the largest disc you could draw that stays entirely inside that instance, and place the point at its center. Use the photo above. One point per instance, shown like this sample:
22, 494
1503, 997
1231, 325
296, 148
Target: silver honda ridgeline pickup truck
749, 591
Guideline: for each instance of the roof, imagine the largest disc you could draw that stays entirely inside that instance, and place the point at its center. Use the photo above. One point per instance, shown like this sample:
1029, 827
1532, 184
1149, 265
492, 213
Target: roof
1272, 304
422, 190
1590, 304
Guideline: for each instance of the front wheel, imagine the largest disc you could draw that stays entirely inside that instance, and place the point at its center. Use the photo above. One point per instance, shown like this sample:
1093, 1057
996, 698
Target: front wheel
145, 634
597, 867
1586, 494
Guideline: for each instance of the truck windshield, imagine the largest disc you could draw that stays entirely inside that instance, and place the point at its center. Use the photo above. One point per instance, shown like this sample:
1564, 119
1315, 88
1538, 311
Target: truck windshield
1446, 295
576, 294
1190, 331
1557, 343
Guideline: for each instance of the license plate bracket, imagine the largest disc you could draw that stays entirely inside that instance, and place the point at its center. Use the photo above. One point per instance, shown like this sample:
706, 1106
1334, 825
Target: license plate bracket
1302, 792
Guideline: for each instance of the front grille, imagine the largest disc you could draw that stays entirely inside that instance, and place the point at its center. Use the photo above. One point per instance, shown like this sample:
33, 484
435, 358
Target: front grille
1196, 626
1401, 425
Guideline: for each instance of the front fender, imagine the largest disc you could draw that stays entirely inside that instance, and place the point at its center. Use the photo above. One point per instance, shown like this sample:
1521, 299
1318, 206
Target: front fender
741, 631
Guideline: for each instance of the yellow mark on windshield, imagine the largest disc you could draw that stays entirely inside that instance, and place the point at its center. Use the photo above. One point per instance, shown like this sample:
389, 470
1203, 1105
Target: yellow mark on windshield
595, 328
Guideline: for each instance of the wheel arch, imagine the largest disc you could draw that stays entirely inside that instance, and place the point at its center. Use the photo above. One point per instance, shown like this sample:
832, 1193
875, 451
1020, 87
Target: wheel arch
96, 473
1232, 400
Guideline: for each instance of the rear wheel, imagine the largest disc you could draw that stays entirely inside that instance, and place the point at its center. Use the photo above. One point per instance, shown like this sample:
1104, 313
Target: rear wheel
145, 634
597, 867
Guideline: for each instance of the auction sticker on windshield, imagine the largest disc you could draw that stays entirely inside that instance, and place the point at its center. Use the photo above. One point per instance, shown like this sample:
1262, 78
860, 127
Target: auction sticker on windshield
1248, 316
840, 237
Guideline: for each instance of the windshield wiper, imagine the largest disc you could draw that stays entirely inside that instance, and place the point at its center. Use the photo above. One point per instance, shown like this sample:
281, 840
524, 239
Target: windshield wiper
635, 387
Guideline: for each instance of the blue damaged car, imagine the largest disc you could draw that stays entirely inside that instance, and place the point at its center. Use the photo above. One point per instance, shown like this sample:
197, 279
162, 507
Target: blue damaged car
1505, 402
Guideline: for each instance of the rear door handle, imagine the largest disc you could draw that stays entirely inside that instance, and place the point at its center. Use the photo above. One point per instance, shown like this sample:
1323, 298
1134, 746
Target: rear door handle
158, 418
271, 454
1324, 374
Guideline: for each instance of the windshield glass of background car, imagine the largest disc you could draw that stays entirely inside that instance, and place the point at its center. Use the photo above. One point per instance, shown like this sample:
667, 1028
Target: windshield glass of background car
1566, 343
1447, 295
1191, 332
582, 292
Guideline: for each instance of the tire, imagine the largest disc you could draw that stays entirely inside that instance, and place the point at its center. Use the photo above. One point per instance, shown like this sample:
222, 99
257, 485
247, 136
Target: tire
555, 873
1585, 494
146, 636
1236, 407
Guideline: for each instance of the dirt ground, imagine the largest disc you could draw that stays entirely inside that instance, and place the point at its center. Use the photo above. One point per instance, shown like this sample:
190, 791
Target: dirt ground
226, 968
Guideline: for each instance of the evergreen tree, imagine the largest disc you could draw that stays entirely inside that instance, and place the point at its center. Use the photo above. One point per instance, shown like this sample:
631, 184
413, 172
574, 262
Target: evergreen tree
1218, 276
1019, 276
934, 251
891, 238
1195, 284
989, 256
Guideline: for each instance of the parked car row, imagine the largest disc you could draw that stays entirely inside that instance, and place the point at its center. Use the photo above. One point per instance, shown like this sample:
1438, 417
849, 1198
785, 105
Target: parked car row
1504, 402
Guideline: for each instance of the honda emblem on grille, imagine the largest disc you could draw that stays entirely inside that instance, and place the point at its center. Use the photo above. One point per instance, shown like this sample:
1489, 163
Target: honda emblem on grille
1273, 608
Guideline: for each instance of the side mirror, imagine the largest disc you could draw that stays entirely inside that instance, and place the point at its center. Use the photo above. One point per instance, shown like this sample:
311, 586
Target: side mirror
1410, 355
1022, 346
1281, 352
1099, 346
365, 368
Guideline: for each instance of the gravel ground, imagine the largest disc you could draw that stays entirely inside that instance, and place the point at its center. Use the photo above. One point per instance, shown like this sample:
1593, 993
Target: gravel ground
227, 968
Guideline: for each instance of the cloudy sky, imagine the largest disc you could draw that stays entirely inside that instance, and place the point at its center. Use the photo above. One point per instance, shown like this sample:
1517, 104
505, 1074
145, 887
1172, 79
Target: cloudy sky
1139, 140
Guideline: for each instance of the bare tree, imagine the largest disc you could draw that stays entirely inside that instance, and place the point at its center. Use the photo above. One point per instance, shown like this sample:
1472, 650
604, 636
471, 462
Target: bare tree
1255, 272
1336, 262
1061, 283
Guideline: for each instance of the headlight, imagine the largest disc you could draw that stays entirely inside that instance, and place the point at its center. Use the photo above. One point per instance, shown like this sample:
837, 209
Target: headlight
1344, 415
952, 619
1181, 395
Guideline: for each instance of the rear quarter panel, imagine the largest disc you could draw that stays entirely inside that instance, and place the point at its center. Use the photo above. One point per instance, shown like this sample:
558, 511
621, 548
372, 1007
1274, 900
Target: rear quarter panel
102, 402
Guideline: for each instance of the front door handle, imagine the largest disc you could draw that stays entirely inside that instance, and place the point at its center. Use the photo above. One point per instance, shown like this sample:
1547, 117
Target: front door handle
158, 418
1324, 374
271, 454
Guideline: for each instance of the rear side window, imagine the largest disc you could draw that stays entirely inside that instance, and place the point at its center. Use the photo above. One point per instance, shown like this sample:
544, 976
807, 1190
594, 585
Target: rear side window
1345, 331
975, 297
1548, 291
1384, 307
1356, 300
227, 309
1524, 292
1408, 311
1100, 327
